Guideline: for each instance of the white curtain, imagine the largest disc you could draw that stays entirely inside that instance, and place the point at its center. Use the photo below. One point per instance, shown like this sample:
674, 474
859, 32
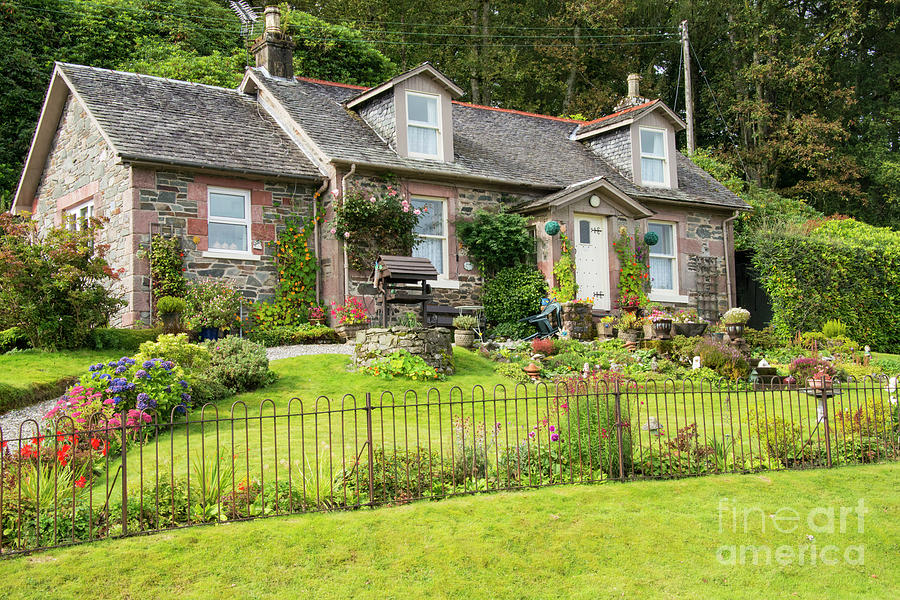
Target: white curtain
422, 140
661, 273
433, 250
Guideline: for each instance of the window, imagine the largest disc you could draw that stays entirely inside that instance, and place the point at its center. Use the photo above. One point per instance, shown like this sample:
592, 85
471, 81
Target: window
432, 231
654, 170
76, 216
423, 131
229, 220
663, 261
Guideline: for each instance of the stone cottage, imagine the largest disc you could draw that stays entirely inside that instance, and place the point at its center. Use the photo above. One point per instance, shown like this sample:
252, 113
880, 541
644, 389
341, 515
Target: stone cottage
220, 169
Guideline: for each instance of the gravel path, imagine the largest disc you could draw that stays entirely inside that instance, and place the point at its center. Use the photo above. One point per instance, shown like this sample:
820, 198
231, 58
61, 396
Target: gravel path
9, 422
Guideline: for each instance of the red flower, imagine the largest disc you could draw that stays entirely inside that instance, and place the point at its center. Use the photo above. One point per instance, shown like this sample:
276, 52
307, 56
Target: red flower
80, 482
96, 443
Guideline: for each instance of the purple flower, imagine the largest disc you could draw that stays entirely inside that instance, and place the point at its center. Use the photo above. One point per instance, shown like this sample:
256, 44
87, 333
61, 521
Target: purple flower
142, 374
121, 369
96, 367
183, 384
552, 428
168, 365
111, 363
148, 364
145, 402
185, 397
554, 437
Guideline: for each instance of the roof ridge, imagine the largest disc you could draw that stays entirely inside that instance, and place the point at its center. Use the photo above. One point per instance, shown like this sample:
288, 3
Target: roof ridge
620, 112
518, 112
145, 76
326, 82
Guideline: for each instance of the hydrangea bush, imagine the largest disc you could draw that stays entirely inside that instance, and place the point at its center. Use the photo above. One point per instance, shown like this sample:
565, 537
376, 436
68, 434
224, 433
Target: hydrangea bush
124, 387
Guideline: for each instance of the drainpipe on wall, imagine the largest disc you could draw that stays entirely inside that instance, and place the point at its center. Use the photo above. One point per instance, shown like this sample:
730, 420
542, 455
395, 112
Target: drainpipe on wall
316, 240
728, 267
346, 266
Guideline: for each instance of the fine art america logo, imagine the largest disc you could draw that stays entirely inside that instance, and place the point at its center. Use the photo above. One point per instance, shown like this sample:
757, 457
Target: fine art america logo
823, 520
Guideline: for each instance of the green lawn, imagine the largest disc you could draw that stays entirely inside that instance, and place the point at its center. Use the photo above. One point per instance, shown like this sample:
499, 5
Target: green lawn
32, 375
667, 539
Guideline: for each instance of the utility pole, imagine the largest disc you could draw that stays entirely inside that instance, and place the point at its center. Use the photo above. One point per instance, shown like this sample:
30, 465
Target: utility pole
688, 86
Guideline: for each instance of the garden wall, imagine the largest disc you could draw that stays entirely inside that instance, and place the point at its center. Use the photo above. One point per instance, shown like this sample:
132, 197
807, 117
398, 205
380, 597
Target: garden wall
433, 345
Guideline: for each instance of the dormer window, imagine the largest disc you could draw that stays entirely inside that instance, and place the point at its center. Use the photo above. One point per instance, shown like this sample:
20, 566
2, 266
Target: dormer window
423, 130
654, 167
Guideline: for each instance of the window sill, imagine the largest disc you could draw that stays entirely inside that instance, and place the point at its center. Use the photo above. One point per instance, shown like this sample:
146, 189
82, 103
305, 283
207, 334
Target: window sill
446, 284
230, 255
668, 296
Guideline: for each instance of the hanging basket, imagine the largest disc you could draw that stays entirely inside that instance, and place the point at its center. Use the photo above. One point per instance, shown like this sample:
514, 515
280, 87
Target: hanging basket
551, 227
651, 238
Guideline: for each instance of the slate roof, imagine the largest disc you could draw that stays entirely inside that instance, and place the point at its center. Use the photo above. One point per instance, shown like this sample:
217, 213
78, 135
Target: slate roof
167, 121
489, 144
625, 114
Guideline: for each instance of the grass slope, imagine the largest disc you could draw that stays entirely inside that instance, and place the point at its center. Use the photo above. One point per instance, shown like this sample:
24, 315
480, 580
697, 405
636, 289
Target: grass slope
32, 376
636, 540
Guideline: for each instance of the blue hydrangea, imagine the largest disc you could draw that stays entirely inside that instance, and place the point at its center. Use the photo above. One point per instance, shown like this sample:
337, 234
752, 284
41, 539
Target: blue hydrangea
183, 384
185, 397
148, 364
96, 367
112, 363
142, 374
168, 365
119, 385
181, 409
121, 369
145, 402
105, 376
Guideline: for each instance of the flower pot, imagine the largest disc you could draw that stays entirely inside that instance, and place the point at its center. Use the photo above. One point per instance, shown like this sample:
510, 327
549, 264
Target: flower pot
171, 322
690, 329
209, 333
662, 328
629, 335
464, 338
735, 330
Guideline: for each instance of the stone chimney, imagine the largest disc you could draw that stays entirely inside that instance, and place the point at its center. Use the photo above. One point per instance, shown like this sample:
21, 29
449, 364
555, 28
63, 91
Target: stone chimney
634, 97
274, 50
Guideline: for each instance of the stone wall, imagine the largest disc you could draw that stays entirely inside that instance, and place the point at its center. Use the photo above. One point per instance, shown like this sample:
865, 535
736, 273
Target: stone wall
432, 344
175, 202
577, 320
379, 113
80, 168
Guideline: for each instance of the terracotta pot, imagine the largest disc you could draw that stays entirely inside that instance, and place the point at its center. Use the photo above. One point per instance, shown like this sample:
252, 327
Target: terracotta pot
464, 338
735, 330
690, 329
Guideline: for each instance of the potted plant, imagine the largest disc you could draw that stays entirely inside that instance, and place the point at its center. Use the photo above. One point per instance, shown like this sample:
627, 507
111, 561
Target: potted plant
688, 324
316, 314
464, 334
630, 303
170, 309
661, 322
735, 319
349, 318
607, 327
212, 308
630, 327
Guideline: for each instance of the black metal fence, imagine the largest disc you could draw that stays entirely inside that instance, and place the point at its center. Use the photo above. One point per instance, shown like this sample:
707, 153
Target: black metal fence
62, 484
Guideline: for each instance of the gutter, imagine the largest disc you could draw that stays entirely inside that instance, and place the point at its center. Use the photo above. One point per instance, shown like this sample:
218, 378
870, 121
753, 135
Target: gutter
728, 267
346, 266
135, 160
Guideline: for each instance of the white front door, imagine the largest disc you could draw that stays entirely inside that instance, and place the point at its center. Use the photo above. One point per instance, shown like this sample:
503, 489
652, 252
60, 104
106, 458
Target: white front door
592, 259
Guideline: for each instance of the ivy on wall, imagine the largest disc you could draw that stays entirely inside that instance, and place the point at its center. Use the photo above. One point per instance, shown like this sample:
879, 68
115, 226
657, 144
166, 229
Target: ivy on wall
634, 279
167, 267
566, 288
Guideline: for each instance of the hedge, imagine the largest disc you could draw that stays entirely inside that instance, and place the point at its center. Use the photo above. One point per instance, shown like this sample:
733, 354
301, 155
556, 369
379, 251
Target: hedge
841, 269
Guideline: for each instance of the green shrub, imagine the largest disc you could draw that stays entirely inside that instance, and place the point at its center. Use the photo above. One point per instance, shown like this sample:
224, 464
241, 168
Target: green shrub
761, 339
513, 294
722, 358
169, 305
888, 364
511, 371
401, 363
212, 303
12, 339
126, 340
834, 328
399, 476
193, 358
238, 364
285, 336
496, 241
265, 317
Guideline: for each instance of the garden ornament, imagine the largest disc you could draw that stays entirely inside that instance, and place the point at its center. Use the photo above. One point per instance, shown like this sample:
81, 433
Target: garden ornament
651, 238
551, 227
695, 364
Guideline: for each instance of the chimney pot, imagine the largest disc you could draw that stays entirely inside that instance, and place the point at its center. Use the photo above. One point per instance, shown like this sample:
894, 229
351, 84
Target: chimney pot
273, 19
634, 85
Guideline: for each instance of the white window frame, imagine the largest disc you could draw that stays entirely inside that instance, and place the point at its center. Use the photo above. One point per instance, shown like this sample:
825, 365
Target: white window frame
424, 125
73, 219
444, 280
672, 295
246, 221
664, 158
